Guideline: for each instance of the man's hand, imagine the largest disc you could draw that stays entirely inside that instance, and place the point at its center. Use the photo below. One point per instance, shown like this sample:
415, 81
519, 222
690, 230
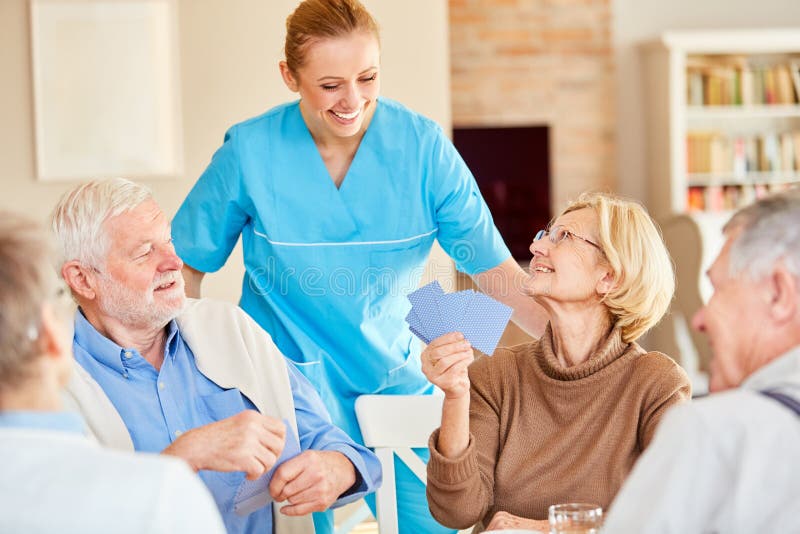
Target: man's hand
312, 481
247, 441
504, 520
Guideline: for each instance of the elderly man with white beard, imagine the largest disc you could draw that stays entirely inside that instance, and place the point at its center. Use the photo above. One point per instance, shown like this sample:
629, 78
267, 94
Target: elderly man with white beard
196, 379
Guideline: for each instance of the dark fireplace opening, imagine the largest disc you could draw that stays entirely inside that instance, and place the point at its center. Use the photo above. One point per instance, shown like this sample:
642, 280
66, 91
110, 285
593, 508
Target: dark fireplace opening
512, 168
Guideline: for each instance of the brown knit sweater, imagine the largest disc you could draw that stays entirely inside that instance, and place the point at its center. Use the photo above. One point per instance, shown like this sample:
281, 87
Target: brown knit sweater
542, 434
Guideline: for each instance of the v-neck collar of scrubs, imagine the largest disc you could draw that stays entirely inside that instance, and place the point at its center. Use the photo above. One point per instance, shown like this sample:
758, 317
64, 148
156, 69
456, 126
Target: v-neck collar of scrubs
352, 174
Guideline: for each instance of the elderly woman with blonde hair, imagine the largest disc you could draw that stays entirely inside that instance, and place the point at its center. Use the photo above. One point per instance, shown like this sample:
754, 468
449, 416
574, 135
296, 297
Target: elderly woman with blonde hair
563, 418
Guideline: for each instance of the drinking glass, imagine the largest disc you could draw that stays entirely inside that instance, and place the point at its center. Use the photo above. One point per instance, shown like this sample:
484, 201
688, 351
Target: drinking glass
575, 518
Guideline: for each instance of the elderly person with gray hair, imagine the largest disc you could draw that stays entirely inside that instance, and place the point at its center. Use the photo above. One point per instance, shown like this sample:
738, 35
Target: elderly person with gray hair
55, 479
731, 462
195, 379
563, 418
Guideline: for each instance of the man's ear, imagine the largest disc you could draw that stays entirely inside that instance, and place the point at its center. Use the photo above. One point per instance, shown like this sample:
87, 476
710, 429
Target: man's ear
79, 279
606, 284
783, 294
288, 77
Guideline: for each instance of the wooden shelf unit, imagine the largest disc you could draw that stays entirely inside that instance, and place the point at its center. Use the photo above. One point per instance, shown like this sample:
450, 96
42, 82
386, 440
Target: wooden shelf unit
670, 118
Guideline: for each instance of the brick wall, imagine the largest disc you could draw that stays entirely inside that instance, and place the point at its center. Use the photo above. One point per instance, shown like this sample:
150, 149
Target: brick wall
518, 62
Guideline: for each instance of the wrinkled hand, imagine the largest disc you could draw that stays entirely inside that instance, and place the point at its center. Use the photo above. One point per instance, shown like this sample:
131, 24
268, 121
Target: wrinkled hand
504, 520
312, 481
445, 363
248, 441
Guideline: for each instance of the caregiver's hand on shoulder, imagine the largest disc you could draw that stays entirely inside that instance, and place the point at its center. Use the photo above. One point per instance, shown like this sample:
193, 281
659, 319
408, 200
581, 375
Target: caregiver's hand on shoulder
445, 363
504, 520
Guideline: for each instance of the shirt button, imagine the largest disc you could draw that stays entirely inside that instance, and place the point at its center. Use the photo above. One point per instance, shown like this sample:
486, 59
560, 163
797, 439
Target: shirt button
178, 433
161, 385
128, 354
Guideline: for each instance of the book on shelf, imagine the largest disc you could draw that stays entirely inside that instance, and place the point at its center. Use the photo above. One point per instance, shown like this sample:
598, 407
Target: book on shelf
728, 197
746, 79
747, 195
759, 93
787, 151
784, 89
737, 81
796, 137
712, 152
694, 88
751, 153
694, 199
794, 68
739, 157
770, 154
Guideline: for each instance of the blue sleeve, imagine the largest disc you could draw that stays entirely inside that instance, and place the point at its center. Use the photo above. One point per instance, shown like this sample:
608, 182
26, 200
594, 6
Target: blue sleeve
208, 223
318, 433
466, 229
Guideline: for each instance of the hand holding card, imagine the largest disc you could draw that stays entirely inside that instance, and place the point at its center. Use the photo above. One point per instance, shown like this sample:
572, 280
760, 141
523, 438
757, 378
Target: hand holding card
479, 317
254, 494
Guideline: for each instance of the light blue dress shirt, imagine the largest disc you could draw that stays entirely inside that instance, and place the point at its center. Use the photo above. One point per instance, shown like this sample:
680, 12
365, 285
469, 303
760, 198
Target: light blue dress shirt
58, 421
158, 406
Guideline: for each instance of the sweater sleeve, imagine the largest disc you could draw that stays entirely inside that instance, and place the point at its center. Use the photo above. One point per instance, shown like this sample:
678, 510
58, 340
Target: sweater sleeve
671, 387
461, 490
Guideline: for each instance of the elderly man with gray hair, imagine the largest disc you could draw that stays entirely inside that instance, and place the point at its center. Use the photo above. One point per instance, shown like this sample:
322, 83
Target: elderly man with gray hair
55, 479
731, 462
196, 379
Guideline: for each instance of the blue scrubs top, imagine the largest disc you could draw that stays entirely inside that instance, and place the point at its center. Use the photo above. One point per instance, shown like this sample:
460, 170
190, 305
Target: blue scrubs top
327, 269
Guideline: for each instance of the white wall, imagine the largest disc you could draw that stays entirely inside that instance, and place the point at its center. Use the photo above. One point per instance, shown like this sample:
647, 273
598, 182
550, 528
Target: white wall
637, 21
229, 53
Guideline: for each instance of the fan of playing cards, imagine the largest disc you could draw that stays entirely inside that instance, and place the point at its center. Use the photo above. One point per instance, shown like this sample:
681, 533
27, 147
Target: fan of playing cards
480, 318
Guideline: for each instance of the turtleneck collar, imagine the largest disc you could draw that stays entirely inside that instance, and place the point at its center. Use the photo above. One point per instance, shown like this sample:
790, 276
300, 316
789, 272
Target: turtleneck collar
610, 349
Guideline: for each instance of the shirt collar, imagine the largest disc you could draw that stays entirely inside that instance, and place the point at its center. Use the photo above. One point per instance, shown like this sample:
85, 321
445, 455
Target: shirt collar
61, 421
109, 353
782, 370
172, 339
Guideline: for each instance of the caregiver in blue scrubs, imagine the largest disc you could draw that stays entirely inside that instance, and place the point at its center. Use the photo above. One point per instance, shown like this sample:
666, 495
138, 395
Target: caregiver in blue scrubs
338, 198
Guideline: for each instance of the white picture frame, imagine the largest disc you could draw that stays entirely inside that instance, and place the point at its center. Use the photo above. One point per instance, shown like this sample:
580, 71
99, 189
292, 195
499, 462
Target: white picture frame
106, 83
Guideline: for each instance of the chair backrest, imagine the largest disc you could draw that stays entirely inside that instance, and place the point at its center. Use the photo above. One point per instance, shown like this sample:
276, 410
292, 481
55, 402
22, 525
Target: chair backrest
392, 425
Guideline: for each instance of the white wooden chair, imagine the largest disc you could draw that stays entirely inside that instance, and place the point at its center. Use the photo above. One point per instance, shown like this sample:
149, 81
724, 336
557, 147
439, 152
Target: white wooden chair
392, 425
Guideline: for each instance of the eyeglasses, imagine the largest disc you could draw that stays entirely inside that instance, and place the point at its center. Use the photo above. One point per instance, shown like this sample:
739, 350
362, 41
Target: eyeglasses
558, 233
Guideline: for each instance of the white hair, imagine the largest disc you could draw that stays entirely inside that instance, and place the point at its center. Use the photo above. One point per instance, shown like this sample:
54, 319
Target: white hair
79, 218
770, 232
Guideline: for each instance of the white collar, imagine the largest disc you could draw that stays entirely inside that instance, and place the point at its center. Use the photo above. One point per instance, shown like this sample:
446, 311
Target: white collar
783, 370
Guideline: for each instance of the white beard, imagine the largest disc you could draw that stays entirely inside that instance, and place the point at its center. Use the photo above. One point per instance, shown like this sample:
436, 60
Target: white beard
141, 309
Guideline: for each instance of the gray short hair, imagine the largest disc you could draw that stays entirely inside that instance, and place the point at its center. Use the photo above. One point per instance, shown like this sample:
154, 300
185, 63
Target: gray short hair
78, 218
26, 283
770, 233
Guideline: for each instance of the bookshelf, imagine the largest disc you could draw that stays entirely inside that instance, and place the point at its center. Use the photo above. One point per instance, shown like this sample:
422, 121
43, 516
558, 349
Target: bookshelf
723, 117
723, 128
